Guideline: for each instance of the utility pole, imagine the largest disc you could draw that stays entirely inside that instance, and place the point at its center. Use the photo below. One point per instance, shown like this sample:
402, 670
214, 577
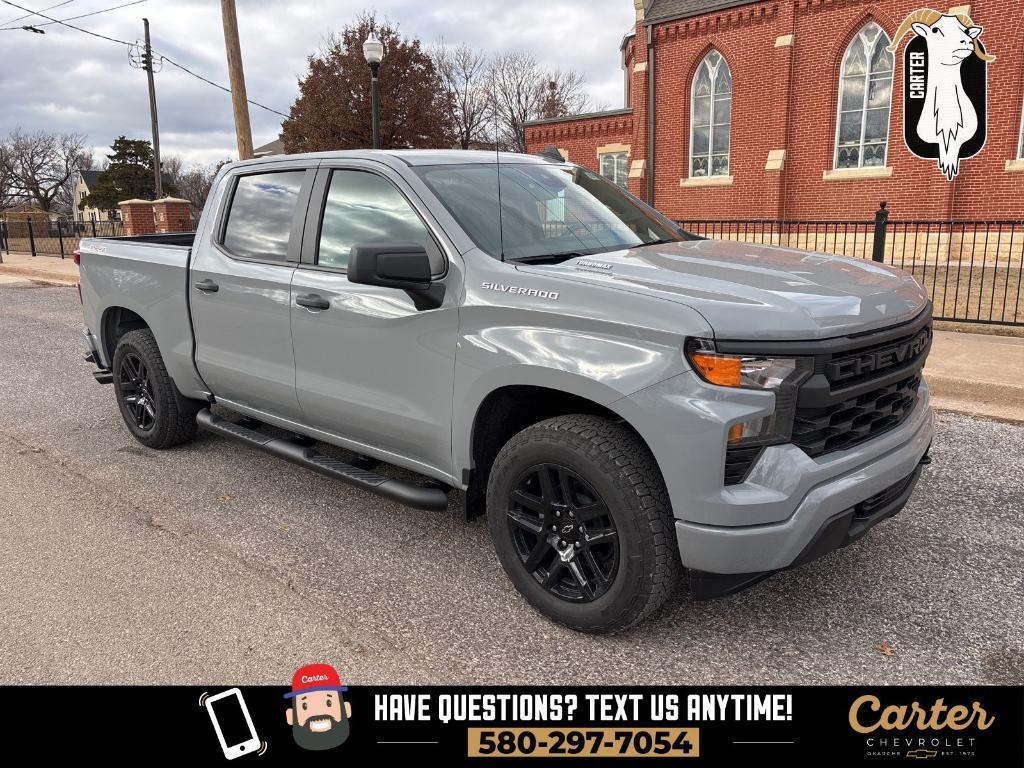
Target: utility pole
239, 99
147, 63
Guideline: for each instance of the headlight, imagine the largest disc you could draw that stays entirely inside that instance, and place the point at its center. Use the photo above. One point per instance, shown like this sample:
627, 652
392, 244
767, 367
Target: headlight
781, 375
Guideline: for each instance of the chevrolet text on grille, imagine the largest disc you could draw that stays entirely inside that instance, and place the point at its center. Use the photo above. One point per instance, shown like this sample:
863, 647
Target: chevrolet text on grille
501, 288
879, 359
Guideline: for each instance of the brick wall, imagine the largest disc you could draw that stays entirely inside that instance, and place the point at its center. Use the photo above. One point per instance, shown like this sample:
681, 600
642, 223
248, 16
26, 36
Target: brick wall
172, 214
137, 216
785, 58
578, 140
150, 217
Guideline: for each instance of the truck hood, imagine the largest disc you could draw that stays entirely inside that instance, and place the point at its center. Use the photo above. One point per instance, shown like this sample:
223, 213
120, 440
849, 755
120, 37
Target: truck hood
746, 290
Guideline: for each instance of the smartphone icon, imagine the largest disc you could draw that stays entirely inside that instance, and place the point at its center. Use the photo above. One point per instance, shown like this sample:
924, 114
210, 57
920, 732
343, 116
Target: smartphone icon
232, 723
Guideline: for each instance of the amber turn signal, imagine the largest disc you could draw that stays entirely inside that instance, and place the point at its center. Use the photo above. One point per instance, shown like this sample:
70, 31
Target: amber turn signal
717, 369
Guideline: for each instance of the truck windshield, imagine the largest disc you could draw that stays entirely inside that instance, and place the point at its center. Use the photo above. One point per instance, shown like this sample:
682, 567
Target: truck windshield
548, 213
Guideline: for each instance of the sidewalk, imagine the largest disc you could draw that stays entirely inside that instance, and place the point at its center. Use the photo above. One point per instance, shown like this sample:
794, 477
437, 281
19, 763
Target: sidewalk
48, 269
972, 373
977, 374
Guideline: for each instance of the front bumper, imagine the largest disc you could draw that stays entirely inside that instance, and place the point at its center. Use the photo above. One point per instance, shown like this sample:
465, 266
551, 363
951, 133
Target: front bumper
816, 524
836, 532
791, 507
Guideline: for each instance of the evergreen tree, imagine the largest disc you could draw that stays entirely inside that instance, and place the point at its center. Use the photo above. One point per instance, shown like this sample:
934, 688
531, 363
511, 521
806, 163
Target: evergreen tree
128, 176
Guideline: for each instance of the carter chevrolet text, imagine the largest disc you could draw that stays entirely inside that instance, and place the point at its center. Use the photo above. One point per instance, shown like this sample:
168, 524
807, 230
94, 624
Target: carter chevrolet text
631, 406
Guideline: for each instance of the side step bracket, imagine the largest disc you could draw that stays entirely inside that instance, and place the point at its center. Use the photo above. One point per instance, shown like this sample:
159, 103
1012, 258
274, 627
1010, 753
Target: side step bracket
419, 497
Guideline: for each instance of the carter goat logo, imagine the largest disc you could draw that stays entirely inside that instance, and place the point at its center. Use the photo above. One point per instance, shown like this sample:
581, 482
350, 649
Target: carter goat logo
944, 87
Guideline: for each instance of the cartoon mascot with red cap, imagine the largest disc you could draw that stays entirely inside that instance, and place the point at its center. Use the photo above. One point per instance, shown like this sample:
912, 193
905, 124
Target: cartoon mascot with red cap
319, 714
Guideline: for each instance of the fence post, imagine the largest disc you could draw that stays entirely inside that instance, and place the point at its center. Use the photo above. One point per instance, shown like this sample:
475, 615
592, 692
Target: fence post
4, 245
878, 246
60, 236
31, 236
94, 228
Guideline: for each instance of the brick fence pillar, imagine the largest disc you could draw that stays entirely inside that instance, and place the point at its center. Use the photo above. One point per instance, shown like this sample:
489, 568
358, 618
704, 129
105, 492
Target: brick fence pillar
137, 216
173, 215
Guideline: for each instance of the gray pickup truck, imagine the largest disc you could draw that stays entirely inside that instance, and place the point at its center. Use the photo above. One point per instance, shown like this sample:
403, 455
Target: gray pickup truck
628, 404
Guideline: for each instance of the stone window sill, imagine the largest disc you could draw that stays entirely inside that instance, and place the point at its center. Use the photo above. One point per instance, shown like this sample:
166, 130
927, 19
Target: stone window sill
1015, 166
854, 174
706, 181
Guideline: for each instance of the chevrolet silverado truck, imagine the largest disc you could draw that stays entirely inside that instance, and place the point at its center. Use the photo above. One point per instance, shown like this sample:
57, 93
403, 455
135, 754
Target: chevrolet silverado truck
631, 406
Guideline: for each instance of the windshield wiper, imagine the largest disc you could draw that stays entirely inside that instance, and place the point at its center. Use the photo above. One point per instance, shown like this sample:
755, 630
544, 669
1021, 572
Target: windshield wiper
549, 258
663, 241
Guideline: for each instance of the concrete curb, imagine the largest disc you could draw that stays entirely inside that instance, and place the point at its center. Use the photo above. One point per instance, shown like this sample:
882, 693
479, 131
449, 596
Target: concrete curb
1003, 402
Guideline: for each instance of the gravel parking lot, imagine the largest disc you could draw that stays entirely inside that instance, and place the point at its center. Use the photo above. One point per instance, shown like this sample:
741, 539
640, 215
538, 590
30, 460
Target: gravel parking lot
213, 563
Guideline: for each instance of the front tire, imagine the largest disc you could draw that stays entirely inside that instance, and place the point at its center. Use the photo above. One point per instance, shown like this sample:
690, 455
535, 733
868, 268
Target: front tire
156, 414
581, 522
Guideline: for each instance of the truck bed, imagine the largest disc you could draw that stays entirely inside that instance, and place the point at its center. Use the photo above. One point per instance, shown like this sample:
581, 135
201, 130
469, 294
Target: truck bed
146, 275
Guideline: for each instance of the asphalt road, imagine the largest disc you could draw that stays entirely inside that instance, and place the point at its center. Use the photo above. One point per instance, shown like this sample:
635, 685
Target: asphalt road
215, 564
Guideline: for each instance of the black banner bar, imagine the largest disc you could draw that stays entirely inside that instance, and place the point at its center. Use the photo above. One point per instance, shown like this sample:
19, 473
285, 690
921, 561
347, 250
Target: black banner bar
483, 726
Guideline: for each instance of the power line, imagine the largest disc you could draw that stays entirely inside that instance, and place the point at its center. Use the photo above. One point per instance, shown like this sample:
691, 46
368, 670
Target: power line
126, 43
173, 63
64, 23
83, 16
33, 13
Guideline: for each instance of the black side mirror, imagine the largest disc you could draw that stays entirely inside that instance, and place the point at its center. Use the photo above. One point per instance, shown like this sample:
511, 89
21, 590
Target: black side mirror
391, 265
397, 265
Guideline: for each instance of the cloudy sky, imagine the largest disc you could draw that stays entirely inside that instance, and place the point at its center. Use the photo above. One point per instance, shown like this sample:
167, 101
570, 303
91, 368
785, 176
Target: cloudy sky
68, 81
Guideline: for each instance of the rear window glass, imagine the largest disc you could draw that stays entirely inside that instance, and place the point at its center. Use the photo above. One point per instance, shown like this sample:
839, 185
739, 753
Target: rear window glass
260, 220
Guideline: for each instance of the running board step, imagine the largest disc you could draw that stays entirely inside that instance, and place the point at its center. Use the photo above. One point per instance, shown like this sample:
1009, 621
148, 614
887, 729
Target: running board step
419, 497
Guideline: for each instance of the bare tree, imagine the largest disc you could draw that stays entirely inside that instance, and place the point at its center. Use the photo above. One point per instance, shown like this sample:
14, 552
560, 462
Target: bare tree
191, 182
512, 82
521, 91
563, 94
464, 73
41, 167
7, 196
172, 166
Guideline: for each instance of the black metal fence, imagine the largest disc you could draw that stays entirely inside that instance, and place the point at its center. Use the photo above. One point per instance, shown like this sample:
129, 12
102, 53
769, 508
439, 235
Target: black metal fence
973, 270
53, 237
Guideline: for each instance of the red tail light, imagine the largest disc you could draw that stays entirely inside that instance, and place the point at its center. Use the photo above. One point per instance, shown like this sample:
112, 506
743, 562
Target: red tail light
77, 256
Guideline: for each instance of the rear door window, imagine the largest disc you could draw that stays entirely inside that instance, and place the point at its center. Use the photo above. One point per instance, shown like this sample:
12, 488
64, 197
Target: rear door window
259, 222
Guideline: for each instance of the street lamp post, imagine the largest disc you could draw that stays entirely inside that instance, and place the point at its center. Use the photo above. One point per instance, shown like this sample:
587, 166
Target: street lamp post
373, 52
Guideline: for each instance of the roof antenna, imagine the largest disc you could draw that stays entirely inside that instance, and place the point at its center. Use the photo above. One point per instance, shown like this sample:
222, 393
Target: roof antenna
497, 165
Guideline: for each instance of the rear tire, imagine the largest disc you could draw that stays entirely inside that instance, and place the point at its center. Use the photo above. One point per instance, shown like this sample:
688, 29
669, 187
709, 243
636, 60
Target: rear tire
153, 409
582, 524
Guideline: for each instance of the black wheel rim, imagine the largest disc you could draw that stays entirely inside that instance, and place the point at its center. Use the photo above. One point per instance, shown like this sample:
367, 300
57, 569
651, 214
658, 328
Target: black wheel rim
563, 533
137, 392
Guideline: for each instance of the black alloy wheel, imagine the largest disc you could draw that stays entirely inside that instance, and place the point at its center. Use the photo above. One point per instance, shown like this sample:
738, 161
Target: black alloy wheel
581, 522
137, 391
563, 533
155, 412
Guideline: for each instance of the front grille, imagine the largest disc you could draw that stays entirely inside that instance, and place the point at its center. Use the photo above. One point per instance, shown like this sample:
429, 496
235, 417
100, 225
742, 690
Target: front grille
835, 427
859, 387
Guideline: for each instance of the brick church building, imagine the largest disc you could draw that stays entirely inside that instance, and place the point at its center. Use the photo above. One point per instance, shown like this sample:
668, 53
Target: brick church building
792, 109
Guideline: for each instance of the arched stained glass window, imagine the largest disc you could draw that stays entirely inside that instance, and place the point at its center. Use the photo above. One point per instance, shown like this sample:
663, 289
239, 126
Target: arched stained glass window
865, 94
710, 117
